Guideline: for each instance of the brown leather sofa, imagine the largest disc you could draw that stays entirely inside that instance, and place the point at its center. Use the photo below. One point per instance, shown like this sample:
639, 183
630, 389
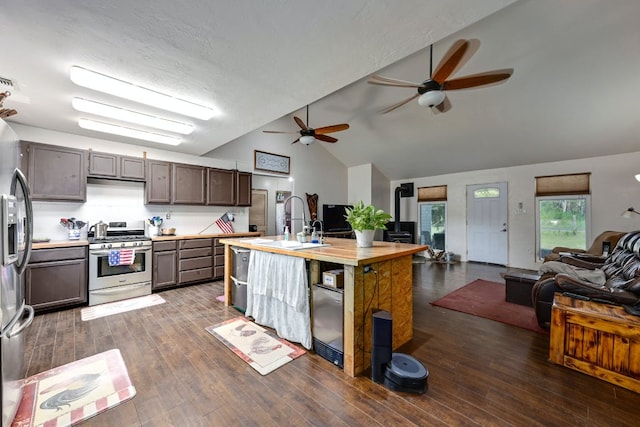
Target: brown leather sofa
622, 279
595, 249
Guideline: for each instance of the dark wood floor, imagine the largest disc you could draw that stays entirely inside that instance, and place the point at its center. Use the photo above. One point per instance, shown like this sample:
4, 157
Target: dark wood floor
481, 372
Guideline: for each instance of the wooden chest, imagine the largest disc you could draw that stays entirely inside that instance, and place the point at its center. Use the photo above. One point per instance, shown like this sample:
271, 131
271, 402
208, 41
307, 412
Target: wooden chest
597, 339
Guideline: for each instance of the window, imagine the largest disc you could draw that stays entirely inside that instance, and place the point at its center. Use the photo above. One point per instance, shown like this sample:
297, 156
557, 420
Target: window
562, 212
486, 193
433, 224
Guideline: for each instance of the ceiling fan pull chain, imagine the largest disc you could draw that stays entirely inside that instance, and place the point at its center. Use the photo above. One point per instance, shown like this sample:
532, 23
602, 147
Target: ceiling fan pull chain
430, 61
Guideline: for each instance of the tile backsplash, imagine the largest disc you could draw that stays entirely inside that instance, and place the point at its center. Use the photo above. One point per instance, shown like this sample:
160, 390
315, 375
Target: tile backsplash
124, 201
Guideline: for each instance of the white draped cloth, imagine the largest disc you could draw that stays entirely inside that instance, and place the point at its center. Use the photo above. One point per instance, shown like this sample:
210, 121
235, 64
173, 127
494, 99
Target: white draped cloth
278, 295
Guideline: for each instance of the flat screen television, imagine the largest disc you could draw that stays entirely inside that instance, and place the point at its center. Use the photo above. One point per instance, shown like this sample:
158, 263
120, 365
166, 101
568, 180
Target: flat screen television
333, 218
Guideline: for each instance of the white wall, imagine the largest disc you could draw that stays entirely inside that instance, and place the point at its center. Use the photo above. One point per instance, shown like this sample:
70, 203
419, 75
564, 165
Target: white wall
360, 184
379, 187
613, 190
124, 201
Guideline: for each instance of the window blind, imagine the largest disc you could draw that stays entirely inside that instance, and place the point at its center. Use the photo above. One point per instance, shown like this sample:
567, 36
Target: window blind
432, 194
570, 184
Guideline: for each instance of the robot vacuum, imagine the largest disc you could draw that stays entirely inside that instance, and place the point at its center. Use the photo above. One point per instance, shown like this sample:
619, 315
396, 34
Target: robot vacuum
405, 373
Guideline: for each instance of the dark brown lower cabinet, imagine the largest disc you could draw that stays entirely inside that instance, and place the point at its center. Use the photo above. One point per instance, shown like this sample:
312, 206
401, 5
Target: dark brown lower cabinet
218, 259
56, 278
165, 260
195, 261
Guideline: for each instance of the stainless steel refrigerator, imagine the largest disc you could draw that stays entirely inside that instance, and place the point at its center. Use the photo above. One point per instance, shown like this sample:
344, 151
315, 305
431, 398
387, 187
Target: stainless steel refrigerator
16, 229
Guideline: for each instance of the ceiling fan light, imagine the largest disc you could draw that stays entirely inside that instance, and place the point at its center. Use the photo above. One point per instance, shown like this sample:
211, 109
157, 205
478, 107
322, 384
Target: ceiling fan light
431, 98
307, 139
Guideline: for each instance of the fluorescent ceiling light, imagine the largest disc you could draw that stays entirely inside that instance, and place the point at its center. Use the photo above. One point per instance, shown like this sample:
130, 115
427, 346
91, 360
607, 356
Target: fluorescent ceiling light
122, 89
128, 132
130, 116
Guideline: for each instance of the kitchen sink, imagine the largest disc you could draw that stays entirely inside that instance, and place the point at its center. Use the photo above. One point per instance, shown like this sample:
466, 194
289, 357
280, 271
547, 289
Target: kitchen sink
289, 244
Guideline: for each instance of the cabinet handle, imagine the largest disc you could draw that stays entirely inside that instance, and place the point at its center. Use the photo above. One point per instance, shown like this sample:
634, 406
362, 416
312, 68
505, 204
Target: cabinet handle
119, 289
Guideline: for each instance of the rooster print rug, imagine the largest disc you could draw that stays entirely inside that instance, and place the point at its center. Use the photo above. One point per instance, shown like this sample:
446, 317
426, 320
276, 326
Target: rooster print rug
71, 393
263, 350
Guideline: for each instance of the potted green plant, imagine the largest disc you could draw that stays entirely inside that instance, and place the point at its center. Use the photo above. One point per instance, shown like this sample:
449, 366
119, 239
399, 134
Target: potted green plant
365, 220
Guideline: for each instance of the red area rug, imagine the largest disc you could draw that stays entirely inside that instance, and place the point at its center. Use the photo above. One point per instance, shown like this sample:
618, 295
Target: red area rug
486, 299
69, 394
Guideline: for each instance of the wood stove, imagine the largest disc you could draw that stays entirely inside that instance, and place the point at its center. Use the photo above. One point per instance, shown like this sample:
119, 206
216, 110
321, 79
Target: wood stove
396, 232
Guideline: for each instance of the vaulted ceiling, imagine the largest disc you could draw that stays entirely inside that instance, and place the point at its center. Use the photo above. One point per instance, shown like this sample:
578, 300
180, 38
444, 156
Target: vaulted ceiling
572, 94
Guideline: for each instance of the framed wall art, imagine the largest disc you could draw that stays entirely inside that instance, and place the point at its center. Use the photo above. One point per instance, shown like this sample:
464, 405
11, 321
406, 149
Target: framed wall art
271, 162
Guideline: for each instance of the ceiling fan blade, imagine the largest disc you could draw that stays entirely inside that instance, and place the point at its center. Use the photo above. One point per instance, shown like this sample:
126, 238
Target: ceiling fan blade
478, 79
296, 141
326, 138
399, 104
450, 61
385, 81
300, 123
330, 129
279, 131
7, 112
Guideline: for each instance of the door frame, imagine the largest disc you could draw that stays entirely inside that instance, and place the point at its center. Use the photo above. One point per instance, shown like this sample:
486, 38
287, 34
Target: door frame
501, 258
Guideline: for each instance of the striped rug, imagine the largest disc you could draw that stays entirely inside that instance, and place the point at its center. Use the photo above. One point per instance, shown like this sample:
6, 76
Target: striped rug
96, 311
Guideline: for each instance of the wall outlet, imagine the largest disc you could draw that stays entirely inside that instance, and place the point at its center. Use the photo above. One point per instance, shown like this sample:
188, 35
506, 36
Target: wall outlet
168, 215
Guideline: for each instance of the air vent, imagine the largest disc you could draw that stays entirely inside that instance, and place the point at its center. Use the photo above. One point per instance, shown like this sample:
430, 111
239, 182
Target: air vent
8, 84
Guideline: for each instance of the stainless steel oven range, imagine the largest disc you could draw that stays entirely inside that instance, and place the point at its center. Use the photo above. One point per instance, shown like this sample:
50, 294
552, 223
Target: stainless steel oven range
120, 263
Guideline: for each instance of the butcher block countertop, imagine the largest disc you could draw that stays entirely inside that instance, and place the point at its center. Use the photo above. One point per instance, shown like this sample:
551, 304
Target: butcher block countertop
60, 244
340, 251
205, 236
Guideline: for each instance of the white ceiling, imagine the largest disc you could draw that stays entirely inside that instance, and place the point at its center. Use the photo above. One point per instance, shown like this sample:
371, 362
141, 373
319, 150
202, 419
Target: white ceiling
573, 92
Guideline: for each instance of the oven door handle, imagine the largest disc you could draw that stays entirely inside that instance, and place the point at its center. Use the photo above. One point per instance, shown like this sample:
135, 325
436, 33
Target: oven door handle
118, 289
106, 253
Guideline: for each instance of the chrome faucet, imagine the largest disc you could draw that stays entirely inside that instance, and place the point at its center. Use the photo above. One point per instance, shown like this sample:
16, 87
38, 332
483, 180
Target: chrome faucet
313, 226
305, 226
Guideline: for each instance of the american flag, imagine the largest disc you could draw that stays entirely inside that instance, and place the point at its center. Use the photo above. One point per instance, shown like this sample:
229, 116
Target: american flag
225, 224
121, 257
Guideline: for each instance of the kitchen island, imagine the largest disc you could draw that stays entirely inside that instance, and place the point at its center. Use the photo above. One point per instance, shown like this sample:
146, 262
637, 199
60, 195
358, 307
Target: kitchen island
388, 286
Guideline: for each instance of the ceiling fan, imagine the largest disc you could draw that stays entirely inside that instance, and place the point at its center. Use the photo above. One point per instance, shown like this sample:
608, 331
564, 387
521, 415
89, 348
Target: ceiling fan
309, 135
431, 92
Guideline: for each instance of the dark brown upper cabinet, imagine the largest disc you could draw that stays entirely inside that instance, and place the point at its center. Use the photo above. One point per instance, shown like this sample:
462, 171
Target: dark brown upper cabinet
158, 188
221, 190
188, 184
228, 187
54, 172
176, 183
113, 166
243, 188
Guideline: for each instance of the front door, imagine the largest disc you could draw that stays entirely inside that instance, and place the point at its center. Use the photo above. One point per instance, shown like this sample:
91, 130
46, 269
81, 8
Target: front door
487, 228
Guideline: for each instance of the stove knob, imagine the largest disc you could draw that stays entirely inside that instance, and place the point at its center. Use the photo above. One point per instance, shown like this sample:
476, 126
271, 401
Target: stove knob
122, 245
109, 245
103, 246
